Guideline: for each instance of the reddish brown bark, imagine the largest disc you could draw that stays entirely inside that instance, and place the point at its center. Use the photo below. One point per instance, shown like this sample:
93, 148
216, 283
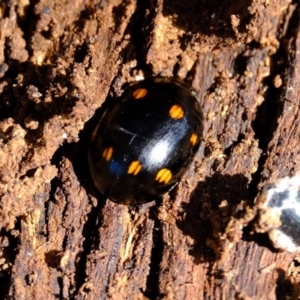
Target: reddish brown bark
59, 61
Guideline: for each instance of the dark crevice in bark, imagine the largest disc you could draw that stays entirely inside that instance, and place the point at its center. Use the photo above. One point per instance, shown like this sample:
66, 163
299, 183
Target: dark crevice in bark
152, 289
28, 24
271, 109
139, 28
9, 247
285, 287
91, 237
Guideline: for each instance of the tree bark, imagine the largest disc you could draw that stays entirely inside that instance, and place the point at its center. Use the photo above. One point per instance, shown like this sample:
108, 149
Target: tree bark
59, 62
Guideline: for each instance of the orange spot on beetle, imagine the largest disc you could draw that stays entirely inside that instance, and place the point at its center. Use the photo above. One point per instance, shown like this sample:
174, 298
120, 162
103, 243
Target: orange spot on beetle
163, 175
134, 168
139, 93
176, 112
194, 139
107, 153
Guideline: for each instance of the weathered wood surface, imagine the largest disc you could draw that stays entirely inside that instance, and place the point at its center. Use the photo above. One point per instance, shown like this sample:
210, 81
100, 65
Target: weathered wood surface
59, 60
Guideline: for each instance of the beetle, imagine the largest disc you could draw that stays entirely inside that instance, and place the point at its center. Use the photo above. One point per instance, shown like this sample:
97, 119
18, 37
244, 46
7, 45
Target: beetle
145, 140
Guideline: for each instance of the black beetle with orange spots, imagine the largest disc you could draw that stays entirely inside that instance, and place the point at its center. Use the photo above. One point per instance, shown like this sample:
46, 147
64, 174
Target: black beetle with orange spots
144, 142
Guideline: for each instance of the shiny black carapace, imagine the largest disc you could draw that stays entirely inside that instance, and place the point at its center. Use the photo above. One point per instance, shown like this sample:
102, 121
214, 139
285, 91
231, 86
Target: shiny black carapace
145, 141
